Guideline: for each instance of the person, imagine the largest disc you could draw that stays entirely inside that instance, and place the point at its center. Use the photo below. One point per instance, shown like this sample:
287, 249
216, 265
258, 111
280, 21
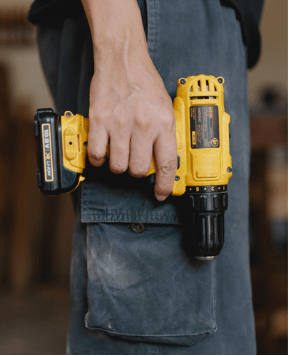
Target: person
134, 287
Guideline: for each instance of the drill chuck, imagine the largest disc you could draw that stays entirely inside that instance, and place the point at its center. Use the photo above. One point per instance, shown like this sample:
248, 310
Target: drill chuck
206, 213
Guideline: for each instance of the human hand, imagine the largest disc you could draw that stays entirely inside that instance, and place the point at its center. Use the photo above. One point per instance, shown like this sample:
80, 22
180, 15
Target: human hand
130, 108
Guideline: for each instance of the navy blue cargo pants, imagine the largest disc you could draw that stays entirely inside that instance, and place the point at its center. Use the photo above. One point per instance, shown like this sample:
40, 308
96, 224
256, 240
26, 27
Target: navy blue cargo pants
134, 287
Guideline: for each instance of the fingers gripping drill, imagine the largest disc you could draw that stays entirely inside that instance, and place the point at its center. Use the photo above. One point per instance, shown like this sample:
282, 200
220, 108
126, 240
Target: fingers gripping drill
204, 161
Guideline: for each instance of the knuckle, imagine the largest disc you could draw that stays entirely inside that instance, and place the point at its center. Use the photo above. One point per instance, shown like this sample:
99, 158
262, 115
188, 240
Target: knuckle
118, 167
121, 122
168, 167
168, 120
95, 156
94, 114
98, 116
143, 123
137, 170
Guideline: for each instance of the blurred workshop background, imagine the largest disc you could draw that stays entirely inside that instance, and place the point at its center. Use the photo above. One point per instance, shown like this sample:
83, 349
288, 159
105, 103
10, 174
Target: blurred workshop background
36, 232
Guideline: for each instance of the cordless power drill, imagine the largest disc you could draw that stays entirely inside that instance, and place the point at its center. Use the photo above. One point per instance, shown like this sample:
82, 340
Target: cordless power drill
204, 161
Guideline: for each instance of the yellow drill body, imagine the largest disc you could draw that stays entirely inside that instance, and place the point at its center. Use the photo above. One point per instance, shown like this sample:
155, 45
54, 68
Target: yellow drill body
202, 134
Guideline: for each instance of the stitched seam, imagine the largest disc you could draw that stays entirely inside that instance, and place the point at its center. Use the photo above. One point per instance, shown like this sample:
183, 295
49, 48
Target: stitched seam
147, 335
129, 213
162, 219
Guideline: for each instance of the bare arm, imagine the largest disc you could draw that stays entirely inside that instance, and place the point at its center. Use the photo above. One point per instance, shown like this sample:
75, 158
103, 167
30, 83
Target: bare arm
129, 105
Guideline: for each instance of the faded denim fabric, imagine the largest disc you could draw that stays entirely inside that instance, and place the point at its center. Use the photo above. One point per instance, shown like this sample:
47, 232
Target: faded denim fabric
136, 294
143, 293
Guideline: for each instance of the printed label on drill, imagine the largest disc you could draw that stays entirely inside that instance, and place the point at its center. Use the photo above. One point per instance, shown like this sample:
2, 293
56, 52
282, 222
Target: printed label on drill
204, 126
47, 153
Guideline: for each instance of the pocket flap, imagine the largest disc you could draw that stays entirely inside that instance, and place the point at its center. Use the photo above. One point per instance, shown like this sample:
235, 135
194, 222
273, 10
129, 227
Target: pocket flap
124, 199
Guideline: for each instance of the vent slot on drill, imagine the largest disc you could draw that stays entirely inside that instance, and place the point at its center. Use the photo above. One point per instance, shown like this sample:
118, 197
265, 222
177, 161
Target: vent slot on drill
202, 97
205, 86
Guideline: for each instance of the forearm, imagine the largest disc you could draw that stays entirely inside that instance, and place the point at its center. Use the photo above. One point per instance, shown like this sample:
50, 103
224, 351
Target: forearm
115, 25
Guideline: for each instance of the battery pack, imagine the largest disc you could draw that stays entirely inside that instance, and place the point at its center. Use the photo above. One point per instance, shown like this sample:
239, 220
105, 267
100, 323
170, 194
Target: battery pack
53, 178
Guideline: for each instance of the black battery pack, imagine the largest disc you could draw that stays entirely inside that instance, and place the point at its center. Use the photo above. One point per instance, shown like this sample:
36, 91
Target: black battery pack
53, 178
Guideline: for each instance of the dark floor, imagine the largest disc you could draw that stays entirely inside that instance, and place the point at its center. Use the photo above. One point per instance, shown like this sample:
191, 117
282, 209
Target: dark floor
35, 324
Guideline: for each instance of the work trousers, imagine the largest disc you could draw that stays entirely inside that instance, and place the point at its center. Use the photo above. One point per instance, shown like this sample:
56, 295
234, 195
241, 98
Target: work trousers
135, 288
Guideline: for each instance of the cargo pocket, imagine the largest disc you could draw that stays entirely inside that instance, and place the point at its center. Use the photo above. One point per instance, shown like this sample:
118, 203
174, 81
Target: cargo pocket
143, 287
